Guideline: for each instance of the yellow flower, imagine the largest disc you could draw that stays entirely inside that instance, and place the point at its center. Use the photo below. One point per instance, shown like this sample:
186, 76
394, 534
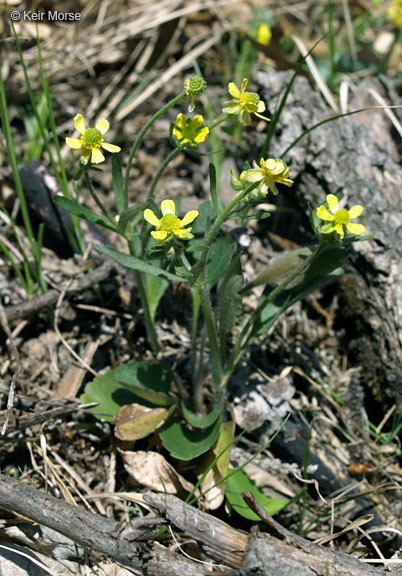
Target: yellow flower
244, 103
190, 130
394, 12
271, 171
91, 141
338, 218
263, 34
169, 225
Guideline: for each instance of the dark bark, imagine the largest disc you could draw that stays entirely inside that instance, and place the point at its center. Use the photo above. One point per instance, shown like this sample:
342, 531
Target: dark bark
355, 156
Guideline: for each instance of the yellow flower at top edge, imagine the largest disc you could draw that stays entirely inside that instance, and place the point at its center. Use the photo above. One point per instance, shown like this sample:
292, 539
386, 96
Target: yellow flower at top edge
269, 173
264, 34
339, 218
244, 103
190, 130
91, 141
170, 225
394, 12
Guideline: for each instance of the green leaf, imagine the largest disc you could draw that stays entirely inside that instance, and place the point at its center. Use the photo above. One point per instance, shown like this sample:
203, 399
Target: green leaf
212, 188
186, 444
83, 212
117, 182
112, 390
239, 482
129, 214
281, 267
152, 396
324, 269
219, 257
136, 264
229, 302
156, 287
203, 421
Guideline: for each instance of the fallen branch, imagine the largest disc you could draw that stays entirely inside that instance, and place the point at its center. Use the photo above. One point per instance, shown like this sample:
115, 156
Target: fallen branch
260, 554
34, 305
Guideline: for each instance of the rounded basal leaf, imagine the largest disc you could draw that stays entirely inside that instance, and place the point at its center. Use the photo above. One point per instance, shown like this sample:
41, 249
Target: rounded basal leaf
112, 390
135, 421
186, 444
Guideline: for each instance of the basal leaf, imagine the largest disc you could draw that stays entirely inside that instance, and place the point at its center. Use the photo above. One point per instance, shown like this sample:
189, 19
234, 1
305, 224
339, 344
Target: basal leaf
135, 421
203, 421
111, 392
186, 444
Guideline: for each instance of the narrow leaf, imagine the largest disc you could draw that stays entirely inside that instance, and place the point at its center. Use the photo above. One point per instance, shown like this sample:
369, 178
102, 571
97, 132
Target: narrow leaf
136, 264
240, 482
212, 188
83, 212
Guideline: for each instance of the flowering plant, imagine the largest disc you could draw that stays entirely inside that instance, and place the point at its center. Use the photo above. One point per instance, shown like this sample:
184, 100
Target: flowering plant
196, 252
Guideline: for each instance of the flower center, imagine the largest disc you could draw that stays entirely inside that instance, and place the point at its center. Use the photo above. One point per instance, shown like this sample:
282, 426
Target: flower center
169, 222
342, 216
92, 138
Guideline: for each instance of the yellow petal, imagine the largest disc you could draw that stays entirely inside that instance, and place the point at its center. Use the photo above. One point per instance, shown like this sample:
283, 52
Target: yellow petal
356, 228
233, 90
97, 156
254, 175
323, 213
261, 106
151, 218
202, 135
180, 121
183, 234
333, 203
189, 217
355, 211
168, 207
79, 123
73, 143
160, 235
339, 229
285, 181
111, 147
244, 84
103, 126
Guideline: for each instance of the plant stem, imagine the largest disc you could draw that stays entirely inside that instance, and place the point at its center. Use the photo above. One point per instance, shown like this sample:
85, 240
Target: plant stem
99, 204
211, 331
162, 168
143, 132
215, 228
219, 121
